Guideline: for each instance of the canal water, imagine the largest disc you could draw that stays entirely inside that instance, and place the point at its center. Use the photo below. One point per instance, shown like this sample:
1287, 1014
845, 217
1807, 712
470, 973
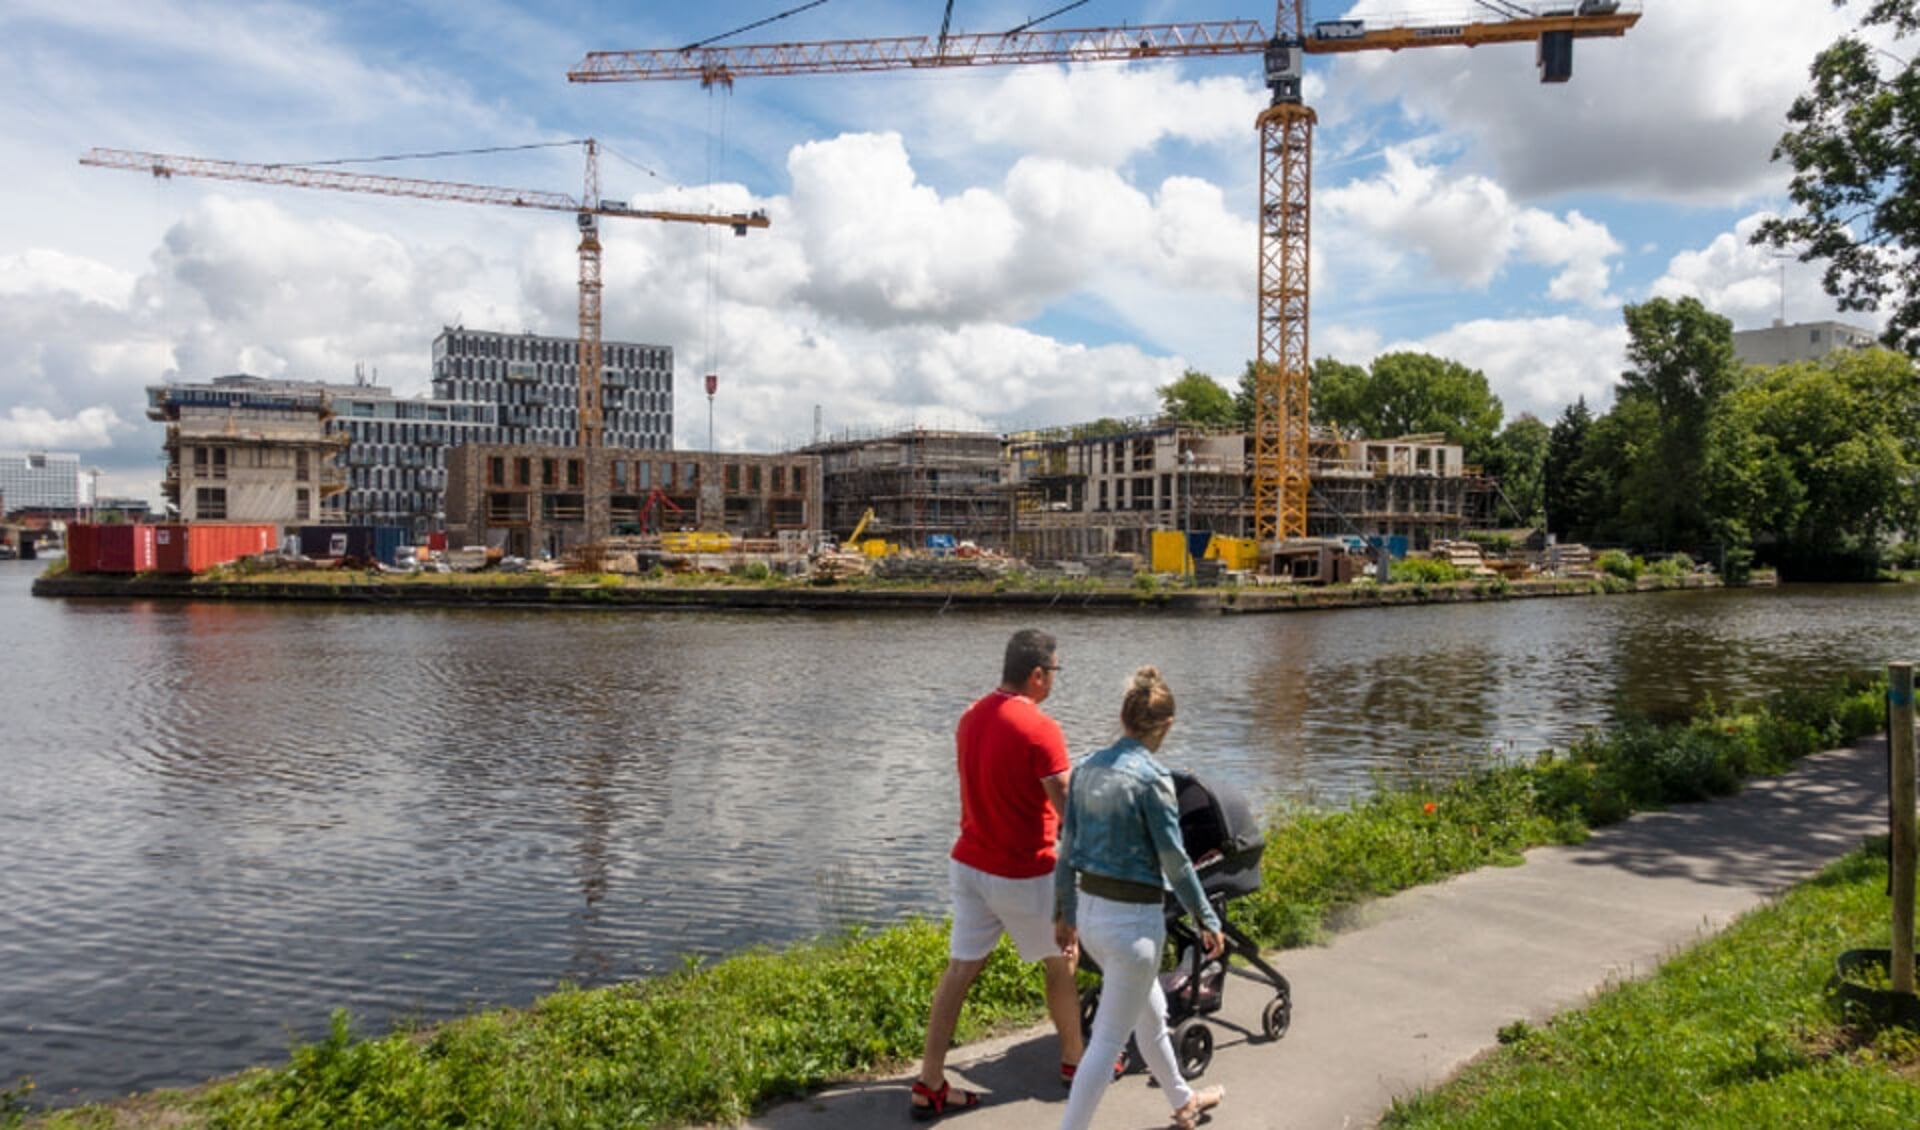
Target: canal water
218, 822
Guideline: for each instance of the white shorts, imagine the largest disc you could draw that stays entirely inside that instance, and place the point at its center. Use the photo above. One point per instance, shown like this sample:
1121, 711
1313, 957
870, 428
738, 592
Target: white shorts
985, 906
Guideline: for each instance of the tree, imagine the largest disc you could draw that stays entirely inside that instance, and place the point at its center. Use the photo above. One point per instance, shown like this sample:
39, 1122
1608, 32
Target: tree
1684, 367
1518, 459
1560, 490
1408, 394
1855, 149
1197, 398
1339, 397
1819, 458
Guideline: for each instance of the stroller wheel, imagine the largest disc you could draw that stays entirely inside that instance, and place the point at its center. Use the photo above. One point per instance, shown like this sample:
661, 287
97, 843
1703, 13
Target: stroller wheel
1278, 1015
1193, 1047
1089, 1004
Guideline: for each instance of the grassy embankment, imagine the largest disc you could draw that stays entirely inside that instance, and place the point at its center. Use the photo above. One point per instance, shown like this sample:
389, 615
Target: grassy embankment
1734, 1034
712, 1042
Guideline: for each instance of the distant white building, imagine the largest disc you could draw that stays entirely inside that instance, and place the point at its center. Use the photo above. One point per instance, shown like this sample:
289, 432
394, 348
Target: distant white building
1782, 344
40, 480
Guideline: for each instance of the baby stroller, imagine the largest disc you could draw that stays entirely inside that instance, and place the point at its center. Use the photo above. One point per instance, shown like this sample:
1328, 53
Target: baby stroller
1223, 838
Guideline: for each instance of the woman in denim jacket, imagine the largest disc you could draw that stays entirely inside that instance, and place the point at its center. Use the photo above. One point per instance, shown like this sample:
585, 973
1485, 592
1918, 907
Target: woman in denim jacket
1120, 838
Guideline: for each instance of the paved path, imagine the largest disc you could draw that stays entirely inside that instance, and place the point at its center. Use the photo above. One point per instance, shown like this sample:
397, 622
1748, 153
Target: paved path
1420, 983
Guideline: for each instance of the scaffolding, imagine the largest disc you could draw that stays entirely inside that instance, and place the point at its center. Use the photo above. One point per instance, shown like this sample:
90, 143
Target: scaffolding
919, 482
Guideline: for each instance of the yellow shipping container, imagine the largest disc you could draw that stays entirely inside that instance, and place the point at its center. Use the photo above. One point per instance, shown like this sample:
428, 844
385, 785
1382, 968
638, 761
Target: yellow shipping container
1237, 553
1169, 552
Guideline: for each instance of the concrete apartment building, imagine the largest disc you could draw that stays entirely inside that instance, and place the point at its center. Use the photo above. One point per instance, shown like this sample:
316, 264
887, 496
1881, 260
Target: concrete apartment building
1083, 494
246, 449
1782, 344
41, 481
918, 482
531, 500
1078, 493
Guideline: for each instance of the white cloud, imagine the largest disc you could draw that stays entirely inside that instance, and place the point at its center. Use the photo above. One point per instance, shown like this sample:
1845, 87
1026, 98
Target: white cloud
39, 430
1465, 228
43, 270
1105, 115
1742, 282
1686, 106
1537, 365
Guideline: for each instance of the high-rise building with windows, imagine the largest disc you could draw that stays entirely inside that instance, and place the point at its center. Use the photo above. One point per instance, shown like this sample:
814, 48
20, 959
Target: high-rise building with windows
40, 480
535, 380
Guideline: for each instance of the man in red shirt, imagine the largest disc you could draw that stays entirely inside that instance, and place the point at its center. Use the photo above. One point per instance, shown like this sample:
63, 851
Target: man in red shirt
1013, 788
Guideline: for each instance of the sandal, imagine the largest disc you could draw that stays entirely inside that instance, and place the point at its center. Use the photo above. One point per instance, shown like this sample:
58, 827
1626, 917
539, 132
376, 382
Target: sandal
940, 1103
1188, 1117
1069, 1070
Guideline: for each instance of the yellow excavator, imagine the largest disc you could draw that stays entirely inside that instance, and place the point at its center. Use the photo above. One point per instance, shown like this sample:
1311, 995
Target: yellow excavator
872, 547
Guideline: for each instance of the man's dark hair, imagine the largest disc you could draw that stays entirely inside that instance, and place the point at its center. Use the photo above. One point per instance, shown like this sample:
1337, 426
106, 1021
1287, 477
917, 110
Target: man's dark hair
1029, 648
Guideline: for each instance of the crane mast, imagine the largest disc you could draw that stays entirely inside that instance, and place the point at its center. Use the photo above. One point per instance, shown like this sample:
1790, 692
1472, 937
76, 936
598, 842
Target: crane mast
1282, 363
588, 208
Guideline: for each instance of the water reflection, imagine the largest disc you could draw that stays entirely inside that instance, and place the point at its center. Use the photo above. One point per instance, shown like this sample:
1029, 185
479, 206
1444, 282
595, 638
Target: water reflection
219, 822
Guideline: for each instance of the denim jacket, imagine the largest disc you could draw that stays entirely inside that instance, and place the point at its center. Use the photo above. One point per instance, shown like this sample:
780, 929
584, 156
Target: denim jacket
1122, 822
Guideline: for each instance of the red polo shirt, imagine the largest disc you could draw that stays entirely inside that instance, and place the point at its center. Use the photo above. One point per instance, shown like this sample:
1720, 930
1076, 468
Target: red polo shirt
1006, 747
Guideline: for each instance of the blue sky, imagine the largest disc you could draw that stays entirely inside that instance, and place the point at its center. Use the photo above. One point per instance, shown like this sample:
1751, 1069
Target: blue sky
999, 249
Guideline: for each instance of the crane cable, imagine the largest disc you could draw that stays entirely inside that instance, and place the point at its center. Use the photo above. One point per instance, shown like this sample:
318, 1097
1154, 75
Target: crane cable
713, 233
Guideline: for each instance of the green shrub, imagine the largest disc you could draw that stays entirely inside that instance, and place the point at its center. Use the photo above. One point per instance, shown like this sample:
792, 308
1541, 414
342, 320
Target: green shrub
1615, 563
1423, 570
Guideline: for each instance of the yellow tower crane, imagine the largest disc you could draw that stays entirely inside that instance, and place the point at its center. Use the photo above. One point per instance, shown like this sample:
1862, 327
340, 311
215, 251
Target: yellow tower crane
1281, 360
588, 208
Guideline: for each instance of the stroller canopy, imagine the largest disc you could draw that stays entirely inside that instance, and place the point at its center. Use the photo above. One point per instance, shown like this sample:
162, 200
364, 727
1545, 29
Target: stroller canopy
1221, 833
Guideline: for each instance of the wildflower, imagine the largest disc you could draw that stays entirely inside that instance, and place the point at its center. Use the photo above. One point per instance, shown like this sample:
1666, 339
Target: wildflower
1427, 808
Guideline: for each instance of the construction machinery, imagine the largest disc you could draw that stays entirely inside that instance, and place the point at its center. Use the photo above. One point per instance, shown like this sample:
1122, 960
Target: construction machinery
588, 208
1281, 360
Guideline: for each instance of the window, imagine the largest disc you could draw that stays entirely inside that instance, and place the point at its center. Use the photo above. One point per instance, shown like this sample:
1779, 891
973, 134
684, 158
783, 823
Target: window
733, 478
689, 475
547, 473
619, 481
219, 462
210, 504
303, 504
779, 479
200, 461
497, 471
523, 471
573, 473
799, 480
643, 475
753, 478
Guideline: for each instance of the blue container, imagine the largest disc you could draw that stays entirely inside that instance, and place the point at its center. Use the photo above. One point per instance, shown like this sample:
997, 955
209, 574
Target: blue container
1397, 544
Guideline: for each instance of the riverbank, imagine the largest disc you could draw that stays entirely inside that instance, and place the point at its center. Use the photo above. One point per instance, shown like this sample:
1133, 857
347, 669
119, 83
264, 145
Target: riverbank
719, 1041
707, 592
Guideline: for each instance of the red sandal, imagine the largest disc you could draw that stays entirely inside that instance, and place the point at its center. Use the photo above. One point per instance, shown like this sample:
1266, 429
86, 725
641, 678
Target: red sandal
940, 1103
1069, 1070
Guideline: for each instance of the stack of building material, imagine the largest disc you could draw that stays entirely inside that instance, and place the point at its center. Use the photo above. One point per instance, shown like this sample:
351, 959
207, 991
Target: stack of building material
1464, 556
1569, 559
940, 569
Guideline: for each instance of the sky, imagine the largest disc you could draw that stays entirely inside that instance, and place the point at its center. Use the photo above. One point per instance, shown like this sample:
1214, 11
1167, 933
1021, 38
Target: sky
1001, 249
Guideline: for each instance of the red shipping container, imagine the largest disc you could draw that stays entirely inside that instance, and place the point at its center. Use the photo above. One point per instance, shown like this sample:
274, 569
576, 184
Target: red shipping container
83, 548
170, 548
200, 546
437, 542
122, 549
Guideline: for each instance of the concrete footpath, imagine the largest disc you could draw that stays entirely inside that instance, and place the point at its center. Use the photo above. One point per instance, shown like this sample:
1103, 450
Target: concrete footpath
1418, 984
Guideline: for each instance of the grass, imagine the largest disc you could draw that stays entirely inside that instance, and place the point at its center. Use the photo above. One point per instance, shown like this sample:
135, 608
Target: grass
1734, 1034
714, 1042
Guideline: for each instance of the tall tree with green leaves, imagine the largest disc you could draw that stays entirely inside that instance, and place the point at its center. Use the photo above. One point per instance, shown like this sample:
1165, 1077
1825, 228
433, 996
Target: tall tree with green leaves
1854, 144
1406, 394
1820, 458
1683, 366
1197, 398
1518, 458
1561, 492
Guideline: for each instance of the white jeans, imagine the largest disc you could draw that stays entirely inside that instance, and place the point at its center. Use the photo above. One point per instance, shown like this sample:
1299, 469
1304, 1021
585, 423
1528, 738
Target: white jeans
1126, 939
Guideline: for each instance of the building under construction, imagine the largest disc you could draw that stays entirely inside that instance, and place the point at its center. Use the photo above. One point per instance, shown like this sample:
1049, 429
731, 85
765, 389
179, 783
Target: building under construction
919, 483
1418, 488
1099, 489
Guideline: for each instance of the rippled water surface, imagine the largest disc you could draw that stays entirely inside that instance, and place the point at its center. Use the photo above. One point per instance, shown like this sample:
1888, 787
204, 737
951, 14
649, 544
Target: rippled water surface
219, 822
